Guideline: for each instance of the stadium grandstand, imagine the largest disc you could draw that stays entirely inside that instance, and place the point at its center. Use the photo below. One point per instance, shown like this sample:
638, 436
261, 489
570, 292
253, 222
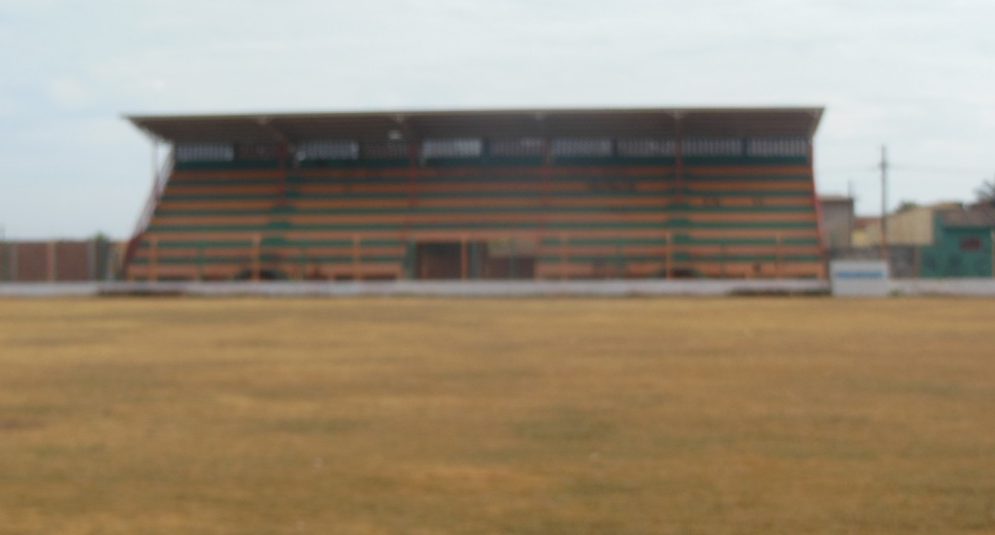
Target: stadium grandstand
497, 194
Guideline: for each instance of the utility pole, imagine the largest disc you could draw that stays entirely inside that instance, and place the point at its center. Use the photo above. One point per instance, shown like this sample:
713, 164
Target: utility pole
884, 203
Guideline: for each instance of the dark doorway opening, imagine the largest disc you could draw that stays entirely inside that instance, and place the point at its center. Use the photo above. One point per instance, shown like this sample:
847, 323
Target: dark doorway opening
470, 260
439, 260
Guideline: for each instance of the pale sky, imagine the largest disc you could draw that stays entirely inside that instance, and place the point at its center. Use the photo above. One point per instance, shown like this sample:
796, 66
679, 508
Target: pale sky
916, 75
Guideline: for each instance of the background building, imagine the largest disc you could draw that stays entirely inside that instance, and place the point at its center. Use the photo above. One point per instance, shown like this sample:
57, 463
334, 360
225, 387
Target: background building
938, 240
837, 222
909, 225
962, 243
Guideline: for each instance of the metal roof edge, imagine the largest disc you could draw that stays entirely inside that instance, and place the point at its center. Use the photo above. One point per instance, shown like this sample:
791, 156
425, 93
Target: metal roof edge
816, 112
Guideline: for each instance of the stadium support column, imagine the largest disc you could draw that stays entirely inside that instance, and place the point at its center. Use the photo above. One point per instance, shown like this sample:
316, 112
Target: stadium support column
256, 266
153, 275
679, 159
411, 254
302, 274
356, 275
722, 260
679, 185
884, 203
779, 257
200, 263
817, 207
283, 154
669, 260
564, 255
547, 188
464, 259
412, 174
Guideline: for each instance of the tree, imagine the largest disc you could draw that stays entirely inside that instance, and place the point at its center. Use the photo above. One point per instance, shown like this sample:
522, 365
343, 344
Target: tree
907, 205
986, 192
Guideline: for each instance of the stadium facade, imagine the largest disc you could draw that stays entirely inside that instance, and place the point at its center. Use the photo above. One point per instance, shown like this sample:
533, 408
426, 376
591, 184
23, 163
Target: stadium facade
497, 194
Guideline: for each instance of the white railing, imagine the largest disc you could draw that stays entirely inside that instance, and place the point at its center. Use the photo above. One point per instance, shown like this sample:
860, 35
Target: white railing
158, 186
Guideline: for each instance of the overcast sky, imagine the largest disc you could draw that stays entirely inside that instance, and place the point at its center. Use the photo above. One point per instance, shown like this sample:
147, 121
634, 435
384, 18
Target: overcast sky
917, 75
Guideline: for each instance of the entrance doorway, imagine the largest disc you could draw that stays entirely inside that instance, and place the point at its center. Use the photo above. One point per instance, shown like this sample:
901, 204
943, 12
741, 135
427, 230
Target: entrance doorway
454, 260
439, 260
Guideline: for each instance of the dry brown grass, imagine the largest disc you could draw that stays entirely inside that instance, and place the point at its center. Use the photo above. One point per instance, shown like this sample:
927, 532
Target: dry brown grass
504, 416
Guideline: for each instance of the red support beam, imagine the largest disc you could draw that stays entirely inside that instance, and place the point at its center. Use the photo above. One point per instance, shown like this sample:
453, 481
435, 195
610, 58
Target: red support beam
464, 259
817, 208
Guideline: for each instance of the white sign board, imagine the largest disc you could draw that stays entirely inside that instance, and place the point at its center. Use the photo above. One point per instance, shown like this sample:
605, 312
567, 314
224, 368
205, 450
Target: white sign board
859, 278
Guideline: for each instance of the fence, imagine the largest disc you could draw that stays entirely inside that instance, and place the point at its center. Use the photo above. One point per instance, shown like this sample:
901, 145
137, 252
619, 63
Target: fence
930, 262
59, 261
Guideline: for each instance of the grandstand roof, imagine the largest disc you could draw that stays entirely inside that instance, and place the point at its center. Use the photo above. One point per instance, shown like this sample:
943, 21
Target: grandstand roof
379, 126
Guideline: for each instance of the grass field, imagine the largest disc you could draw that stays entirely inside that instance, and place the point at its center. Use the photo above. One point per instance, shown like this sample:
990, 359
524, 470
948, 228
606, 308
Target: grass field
497, 416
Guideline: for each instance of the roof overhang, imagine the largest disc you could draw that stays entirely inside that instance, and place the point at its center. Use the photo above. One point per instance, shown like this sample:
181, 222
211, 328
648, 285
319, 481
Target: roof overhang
415, 125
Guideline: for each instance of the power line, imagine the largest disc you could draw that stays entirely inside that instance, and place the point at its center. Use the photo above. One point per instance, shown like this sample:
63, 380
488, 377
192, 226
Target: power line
939, 168
903, 167
850, 169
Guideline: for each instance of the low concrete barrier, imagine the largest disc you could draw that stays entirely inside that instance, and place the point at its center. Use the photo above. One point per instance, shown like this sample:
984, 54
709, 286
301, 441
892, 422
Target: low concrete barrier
944, 287
52, 289
605, 288
608, 288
